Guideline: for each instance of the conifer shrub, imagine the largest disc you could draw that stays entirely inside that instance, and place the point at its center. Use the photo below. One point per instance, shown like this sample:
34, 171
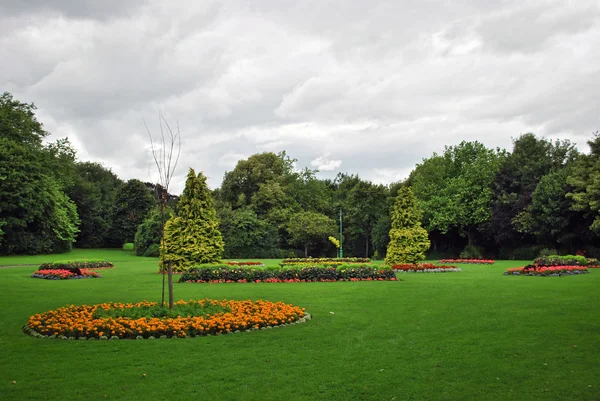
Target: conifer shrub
192, 236
408, 240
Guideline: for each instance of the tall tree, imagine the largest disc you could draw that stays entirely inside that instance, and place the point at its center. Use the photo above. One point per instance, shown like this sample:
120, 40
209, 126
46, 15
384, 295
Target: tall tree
94, 192
408, 240
455, 189
365, 204
192, 236
35, 214
585, 181
530, 160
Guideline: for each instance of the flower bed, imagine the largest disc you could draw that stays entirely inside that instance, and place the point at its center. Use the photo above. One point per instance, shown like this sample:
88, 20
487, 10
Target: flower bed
424, 268
244, 263
226, 274
532, 270
61, 274
322, 261
557, 260
468, 261
122, 321
73, 265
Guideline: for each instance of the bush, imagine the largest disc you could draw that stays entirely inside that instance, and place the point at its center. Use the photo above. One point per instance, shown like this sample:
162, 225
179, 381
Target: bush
547, 252
471, 252
526, 252
128, 246
153, 251
224, 273
556, 260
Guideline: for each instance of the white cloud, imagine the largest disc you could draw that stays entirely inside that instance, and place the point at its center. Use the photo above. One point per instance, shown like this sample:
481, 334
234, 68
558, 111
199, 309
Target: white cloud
324, 163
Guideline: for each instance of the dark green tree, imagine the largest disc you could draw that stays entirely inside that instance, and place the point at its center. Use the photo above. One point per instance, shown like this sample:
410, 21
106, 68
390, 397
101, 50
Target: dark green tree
364, 206
132, 203
247, 236
94, 192
149, 234
408, 240
192, 236
521, 171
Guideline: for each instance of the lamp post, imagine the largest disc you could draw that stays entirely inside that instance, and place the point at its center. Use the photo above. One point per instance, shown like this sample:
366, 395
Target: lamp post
341, 239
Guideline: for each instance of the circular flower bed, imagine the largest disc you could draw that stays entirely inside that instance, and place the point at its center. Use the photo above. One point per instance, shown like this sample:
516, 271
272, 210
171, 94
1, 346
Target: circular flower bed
555, 271
148, 320
60, 274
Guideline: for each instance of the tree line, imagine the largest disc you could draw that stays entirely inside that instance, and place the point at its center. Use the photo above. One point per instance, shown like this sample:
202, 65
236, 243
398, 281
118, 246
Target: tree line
473, 201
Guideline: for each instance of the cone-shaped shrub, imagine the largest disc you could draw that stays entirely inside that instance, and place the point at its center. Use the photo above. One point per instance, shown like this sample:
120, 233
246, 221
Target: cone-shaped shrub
408, 240
192, 236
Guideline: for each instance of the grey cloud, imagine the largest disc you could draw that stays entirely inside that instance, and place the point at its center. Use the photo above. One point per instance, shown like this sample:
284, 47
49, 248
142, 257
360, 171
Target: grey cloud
377, 85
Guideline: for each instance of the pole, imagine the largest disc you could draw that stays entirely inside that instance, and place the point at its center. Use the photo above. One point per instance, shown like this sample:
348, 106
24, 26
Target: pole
341, 239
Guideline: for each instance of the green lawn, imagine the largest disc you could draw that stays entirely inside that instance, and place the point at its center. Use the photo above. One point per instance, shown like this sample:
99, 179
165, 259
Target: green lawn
475, 335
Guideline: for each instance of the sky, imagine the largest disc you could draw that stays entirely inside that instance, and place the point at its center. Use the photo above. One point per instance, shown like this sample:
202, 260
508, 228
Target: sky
361, 87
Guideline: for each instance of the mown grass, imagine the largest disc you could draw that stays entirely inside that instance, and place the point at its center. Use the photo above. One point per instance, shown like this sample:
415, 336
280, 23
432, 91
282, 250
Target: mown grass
455, 336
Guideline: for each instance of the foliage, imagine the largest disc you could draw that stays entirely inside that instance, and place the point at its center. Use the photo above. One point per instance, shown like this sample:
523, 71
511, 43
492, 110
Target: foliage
530, 160
132, 203
468, 261
532, 270
585, 181
334, 241
192, 235
35, 214
148, 234
472, 252
228, 274
128, 246
94, 191
408, 240
454, 190
86, 321
310, 228
424, 268
247, 236
74, 265
557, 260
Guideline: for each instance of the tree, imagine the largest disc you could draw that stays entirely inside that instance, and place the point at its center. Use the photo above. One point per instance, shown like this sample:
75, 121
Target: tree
149, 234
35, 214
132, 203
192, 236
408, 240
247, 236
550, 216
94, 191
165, 153
455, 190
310, 228
364, 206
531, 159
585, 181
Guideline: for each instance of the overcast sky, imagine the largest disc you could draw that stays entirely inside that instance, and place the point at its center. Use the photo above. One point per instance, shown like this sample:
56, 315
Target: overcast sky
368, 87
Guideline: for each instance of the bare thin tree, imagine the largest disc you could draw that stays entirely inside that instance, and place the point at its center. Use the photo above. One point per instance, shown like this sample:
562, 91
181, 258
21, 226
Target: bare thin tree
165, 151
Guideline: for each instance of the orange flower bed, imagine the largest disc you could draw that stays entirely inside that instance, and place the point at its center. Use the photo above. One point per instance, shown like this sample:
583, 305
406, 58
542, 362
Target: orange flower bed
78, 322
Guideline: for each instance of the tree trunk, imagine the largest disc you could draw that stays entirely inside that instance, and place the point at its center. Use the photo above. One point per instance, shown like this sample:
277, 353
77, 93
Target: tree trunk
366, 246
470, 237
306, 251
171, 305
